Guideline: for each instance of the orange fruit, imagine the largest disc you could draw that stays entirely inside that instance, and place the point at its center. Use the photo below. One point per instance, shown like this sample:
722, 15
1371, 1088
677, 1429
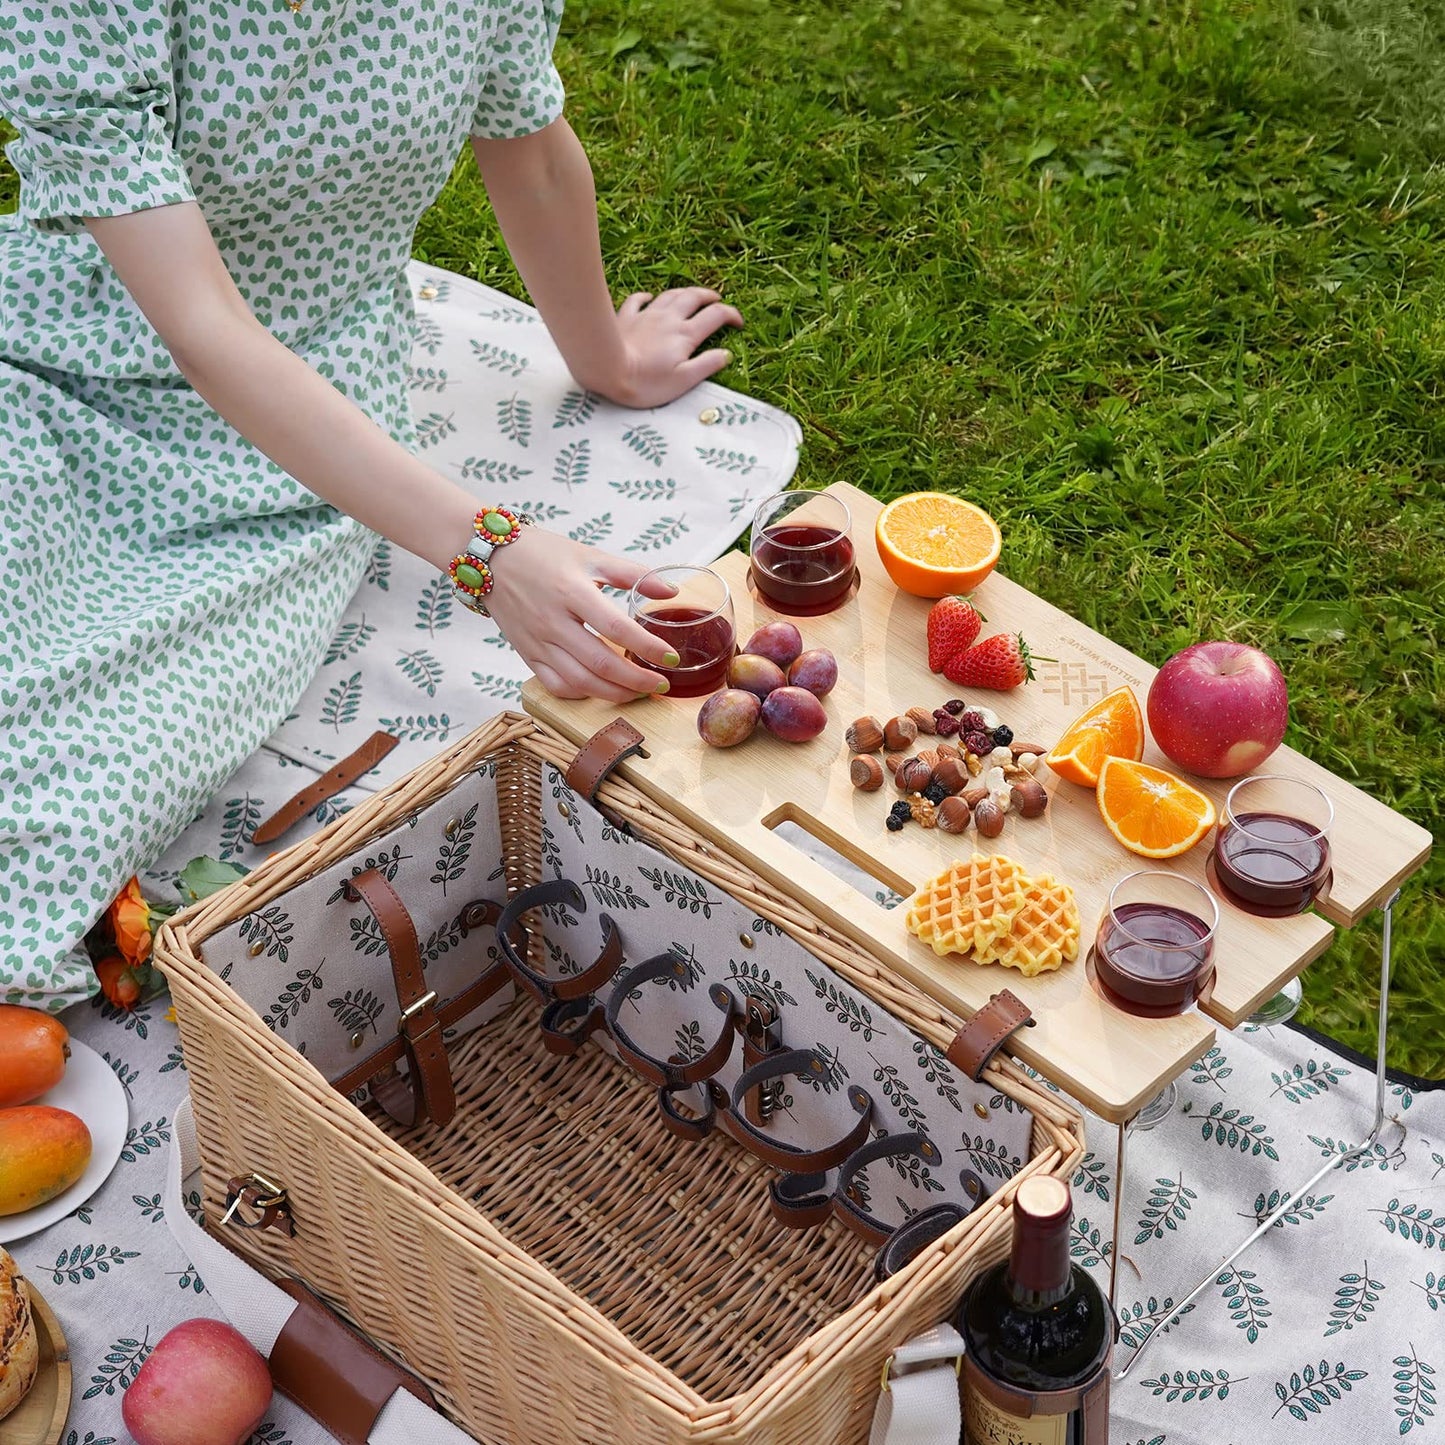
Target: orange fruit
933, 544
1149, 811
1112, 728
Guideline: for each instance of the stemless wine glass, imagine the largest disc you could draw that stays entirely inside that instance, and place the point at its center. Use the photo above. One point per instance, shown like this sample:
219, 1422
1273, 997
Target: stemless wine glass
696, 622
802, 552
1272, 852
1153, 953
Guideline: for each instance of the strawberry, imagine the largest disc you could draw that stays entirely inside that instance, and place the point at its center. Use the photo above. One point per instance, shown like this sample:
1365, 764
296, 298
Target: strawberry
953, 626
998, 662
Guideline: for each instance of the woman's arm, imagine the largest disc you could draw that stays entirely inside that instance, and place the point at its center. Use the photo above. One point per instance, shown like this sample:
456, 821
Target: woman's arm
546, 585
540, 187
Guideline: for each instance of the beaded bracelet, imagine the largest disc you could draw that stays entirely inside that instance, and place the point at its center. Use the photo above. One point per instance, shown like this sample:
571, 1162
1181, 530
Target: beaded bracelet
470, 571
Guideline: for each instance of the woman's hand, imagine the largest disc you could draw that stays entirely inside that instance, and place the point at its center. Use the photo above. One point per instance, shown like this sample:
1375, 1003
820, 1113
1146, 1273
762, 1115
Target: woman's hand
659, 335
544, 598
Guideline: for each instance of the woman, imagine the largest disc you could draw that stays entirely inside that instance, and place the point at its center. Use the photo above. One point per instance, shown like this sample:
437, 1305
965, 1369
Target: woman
204, 332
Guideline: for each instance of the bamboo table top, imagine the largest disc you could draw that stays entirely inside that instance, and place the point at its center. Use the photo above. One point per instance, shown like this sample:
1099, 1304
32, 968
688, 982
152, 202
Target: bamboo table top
1109, 1060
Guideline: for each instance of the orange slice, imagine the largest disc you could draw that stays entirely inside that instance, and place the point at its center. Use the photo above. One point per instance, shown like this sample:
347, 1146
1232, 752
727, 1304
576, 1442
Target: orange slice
1149, 811
1112, 728
933, 544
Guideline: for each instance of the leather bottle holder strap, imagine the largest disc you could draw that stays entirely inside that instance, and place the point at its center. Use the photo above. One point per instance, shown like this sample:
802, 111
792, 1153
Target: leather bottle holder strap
984, 1034
343, 775
804, 1063
332, 1372
574, 986
915, 1235
602, 752
670, 1074
428, 1087
1092, 1398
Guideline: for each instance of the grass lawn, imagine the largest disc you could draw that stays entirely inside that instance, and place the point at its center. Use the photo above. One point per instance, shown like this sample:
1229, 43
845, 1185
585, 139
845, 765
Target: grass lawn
1158, 284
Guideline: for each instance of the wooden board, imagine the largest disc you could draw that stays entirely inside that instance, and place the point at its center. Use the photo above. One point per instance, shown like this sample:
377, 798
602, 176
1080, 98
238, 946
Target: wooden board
1109, 1060
39, 1419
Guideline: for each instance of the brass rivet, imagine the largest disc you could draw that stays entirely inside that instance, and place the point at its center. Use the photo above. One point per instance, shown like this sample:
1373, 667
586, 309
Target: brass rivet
357, 1040
709, 415
452, 826
746, 939
980, 1111
428, 292
565, 811
257, 949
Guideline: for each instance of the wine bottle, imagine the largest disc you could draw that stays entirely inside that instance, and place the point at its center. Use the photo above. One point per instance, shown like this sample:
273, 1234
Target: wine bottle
1038, 1335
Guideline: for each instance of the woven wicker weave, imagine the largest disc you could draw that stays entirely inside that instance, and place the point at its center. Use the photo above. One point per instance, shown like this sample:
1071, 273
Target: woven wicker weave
557, 1266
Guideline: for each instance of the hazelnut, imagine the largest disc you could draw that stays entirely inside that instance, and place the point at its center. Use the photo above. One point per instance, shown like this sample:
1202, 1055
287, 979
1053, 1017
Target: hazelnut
899, 733
951, 775
866, 773
922, 720
988, 818
864, 736
913, 775
1029, 798
1019, 749
953, 815
975, 795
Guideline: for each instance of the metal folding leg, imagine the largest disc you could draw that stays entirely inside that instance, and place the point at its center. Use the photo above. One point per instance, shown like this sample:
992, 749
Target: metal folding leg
1381, 1087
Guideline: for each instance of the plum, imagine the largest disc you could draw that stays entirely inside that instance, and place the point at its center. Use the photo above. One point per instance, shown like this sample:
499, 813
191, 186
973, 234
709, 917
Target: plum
816, 670
779, 642
754, 674
728, 717
793, 714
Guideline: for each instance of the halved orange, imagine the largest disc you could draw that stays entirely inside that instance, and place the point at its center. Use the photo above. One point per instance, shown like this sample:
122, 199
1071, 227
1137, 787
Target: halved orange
933, 544
1112, 728
1149, 811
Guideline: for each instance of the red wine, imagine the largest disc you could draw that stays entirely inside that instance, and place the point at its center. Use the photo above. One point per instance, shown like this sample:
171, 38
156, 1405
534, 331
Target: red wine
1038, 1335
1278, 862
1127, 938
704, 649
801, 570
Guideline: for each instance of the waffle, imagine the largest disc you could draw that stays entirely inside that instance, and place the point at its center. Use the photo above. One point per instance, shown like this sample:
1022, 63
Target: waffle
1045, 932
968, 906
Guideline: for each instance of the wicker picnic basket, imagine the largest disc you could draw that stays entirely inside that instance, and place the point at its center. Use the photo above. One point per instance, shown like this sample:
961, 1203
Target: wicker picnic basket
554, 1263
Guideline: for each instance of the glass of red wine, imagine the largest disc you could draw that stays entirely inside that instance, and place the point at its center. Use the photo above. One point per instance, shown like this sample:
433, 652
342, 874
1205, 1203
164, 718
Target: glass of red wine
1272, 852
696, 622
802, 553
1154, 952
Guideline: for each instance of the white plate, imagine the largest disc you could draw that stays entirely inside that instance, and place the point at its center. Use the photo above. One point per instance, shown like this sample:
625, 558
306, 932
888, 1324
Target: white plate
91, 1090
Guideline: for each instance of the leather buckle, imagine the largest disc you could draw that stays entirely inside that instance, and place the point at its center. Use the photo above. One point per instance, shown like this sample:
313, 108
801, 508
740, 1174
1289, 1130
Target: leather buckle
424, 1002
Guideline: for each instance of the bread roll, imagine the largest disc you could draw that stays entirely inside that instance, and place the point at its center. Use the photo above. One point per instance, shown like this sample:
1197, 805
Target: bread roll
19, 1348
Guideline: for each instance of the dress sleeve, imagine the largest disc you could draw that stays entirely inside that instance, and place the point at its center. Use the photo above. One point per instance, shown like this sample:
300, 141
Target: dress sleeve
94, 105
522, 91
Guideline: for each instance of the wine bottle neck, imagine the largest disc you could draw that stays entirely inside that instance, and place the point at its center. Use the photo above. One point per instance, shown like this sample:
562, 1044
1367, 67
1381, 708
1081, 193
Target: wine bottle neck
1039, 1261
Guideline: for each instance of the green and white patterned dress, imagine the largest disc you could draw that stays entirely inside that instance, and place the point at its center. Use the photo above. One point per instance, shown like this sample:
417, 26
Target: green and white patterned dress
167, 590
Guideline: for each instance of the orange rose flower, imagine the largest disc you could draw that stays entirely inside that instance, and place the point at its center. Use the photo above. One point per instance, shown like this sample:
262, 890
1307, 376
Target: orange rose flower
118, 981
130, 917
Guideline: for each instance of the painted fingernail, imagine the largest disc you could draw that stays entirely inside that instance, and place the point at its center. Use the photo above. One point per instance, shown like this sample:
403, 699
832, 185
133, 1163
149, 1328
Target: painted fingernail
662, 686
670, 659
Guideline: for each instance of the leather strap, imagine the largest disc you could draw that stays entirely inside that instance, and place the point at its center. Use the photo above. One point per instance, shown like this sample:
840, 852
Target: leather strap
671, 1073
574, 986
693, 1127
342, 776
600, 754
983, 1035
910, 1238
567, 1024
452, 1011
800, 1201
273, 1210
778, 1152
846, 1205
429, 1073
1091, 1398
332, 1372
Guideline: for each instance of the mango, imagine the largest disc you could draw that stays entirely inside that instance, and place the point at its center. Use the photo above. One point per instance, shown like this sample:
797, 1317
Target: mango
33, 1050
43, 1151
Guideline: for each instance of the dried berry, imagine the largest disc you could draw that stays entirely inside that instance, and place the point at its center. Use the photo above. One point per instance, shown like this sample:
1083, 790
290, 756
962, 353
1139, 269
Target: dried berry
900, 809
894, 824
866, 773
955, 705
953, 815
1003, 735
935, 792
979, 744
972, 721
947, 726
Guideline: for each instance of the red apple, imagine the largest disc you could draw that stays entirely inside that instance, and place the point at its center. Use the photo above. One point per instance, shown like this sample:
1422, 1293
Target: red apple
203, 1384
1218, 709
